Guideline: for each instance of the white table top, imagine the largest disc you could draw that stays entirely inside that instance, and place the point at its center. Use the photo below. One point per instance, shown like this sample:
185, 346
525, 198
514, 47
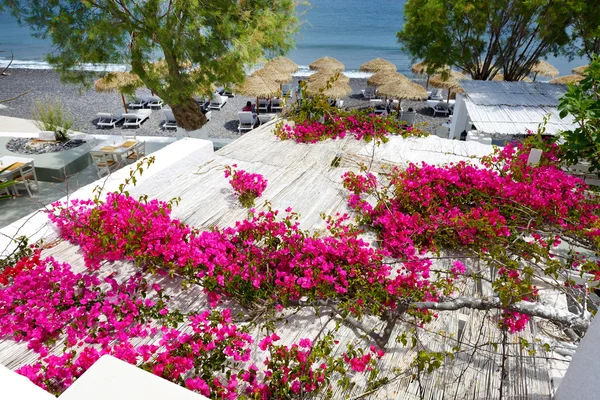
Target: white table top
115, 146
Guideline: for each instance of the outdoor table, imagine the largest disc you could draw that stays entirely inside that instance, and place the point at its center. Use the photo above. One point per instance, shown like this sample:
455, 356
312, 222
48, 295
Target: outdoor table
117, 149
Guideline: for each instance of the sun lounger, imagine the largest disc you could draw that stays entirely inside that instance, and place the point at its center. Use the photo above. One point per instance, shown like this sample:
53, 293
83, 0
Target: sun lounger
286, 90
137, 103
435, 94
247, 121
408, 117
441, 108
217, 101
276, 105
154, 103
108, 120
263, 105
369, 93
170, 122
135, 119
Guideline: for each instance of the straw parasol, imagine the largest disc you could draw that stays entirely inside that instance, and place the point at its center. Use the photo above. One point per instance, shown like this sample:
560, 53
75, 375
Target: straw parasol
500, 78
329, 63
544, 68
325, 75
122, 82
421, 68
273, 74
283, 64
337, 90
580, 70
403, 89
575, 79
258, 86
449, 80
383, 77
376, 65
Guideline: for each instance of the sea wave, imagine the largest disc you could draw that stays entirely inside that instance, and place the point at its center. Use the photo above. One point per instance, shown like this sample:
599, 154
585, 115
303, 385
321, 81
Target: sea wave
303, 70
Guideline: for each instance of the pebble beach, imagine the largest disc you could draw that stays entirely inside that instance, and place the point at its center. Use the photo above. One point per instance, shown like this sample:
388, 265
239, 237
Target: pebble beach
28, 86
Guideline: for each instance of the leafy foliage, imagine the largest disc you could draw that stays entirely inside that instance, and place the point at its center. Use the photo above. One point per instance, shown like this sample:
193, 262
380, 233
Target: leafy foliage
484, 37
50, 115
221, 37
583, 103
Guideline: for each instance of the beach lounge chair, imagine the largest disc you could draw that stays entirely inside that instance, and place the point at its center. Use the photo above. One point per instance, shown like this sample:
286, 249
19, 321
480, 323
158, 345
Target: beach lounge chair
339, 103
369, 93
435, 94
287, 90
154, 103
264, 118
441, 108
138, 103
135, 119
228, 92
276, 105
108, 120
247, 121
169, 122
408, 117
217, 101
263, 105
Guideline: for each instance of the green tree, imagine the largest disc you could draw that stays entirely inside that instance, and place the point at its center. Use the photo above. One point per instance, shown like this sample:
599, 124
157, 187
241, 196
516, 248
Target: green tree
484, 37
220, 37
583, 102
586, 28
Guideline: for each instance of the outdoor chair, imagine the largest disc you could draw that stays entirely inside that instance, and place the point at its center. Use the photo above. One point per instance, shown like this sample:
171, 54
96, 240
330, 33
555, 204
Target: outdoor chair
154, 103
136, 119
276, 105
26, 176
263, 105
217, 101
264, 118
436, 94
108, 120
104, 163
247, 120
441, 108
408, 117
169, 122
138, 152
138, 103
369, 93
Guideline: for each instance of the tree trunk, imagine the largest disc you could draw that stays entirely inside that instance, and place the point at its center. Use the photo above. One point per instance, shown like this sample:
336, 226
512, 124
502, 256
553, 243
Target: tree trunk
188, 115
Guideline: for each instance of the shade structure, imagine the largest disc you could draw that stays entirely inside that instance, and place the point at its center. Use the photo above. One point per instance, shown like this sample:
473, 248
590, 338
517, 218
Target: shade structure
403, 90
258, 86
448, 80
575, 79
161, 66
329, 63
122, 82
579, 70
283, 64
544, 68
324, 76
337, 90
378, 64
273, 74
420, 68
383, 77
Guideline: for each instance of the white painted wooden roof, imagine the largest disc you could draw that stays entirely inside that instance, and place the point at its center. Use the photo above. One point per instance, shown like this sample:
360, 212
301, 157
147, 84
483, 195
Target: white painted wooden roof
512, 108
301, 176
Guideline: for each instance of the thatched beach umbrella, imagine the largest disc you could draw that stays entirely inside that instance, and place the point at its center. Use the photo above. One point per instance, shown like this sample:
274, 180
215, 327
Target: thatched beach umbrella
383, 77
500, 78
544, 68
563, 80
273, 74
376, 65
422, 67
325, 76
580, 70
329, 63
122, 82
338, 90
403, 90
258, 86
448, 80
283, 64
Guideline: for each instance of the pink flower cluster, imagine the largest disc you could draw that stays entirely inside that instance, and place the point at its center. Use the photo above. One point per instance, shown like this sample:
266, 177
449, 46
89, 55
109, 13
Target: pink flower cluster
247, 186
362, 126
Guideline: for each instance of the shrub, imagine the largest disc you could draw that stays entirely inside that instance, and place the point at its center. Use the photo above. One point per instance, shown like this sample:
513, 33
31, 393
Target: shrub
52, 116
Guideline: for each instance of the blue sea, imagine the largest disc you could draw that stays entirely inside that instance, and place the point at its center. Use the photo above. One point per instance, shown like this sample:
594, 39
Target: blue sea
353, 31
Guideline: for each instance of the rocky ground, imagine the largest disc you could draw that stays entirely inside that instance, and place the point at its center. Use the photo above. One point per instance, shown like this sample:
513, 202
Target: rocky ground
27, 87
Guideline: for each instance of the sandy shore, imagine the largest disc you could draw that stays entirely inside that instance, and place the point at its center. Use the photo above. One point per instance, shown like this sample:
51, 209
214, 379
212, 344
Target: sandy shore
40, 85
